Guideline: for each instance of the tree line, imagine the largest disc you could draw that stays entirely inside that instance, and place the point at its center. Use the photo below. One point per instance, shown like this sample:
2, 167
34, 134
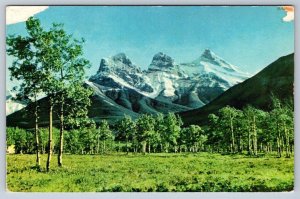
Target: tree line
229, 131
253, 130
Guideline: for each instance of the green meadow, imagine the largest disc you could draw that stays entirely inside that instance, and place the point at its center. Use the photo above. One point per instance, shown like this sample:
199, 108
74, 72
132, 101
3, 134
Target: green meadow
157, 172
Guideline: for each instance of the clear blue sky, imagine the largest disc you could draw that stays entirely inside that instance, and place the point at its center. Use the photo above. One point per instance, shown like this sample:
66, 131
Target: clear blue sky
249, 37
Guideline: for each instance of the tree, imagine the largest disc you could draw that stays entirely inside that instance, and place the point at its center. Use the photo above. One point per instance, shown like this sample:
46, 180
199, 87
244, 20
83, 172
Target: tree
214, 133
145, 127
173, 125
10, 136
160, 128
281, 121
16, 137
250, 118
71, 71
127, 129
72, 141
193, 137
73, 111
228, 115
40, 50
153, 138
253, 118
27, 69
267, 135
68, 70
201, 142
105, 134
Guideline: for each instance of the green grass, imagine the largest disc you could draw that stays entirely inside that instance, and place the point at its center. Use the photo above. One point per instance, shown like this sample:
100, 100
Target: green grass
154, 172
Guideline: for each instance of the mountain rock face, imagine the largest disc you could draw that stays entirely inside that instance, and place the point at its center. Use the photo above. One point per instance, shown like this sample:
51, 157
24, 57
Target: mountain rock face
161, 62
277, 80
189, 85
118, 72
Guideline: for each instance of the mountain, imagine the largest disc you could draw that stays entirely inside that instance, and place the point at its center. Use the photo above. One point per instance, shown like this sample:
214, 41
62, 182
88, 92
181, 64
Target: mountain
128, 86
276, 79
191, 85
210, 63
118, 72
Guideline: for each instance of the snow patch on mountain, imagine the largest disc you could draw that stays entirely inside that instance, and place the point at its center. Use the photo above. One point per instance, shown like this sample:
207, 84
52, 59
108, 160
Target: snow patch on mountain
169, 90
11, 104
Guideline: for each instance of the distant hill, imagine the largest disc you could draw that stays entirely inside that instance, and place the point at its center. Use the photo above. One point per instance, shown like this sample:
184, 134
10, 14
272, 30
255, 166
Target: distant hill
276, 79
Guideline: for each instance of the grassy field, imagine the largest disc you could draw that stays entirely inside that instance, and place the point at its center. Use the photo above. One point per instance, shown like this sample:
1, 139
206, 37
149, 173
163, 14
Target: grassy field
154, 172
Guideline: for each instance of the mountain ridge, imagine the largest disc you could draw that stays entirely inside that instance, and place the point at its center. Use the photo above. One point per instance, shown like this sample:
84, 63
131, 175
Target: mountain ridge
167, 81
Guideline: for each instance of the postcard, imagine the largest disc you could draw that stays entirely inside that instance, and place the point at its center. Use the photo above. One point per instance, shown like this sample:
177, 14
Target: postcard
150, 98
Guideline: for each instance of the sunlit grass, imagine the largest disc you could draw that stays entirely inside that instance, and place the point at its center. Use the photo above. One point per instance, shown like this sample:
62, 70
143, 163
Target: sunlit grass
154, 172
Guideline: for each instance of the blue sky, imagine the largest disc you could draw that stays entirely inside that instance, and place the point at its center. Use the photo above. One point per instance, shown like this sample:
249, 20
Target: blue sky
249, 37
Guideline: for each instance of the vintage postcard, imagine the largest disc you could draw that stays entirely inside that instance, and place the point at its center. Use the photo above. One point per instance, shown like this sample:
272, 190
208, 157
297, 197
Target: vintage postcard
150, 98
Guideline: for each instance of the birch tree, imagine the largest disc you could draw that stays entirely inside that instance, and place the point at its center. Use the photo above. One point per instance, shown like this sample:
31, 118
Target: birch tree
28, 69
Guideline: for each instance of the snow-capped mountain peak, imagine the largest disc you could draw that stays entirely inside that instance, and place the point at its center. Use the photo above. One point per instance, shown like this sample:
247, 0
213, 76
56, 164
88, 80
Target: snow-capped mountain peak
116, 63
122, 58
161, 61
210, 63
190, 84
118, 72
209, 56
